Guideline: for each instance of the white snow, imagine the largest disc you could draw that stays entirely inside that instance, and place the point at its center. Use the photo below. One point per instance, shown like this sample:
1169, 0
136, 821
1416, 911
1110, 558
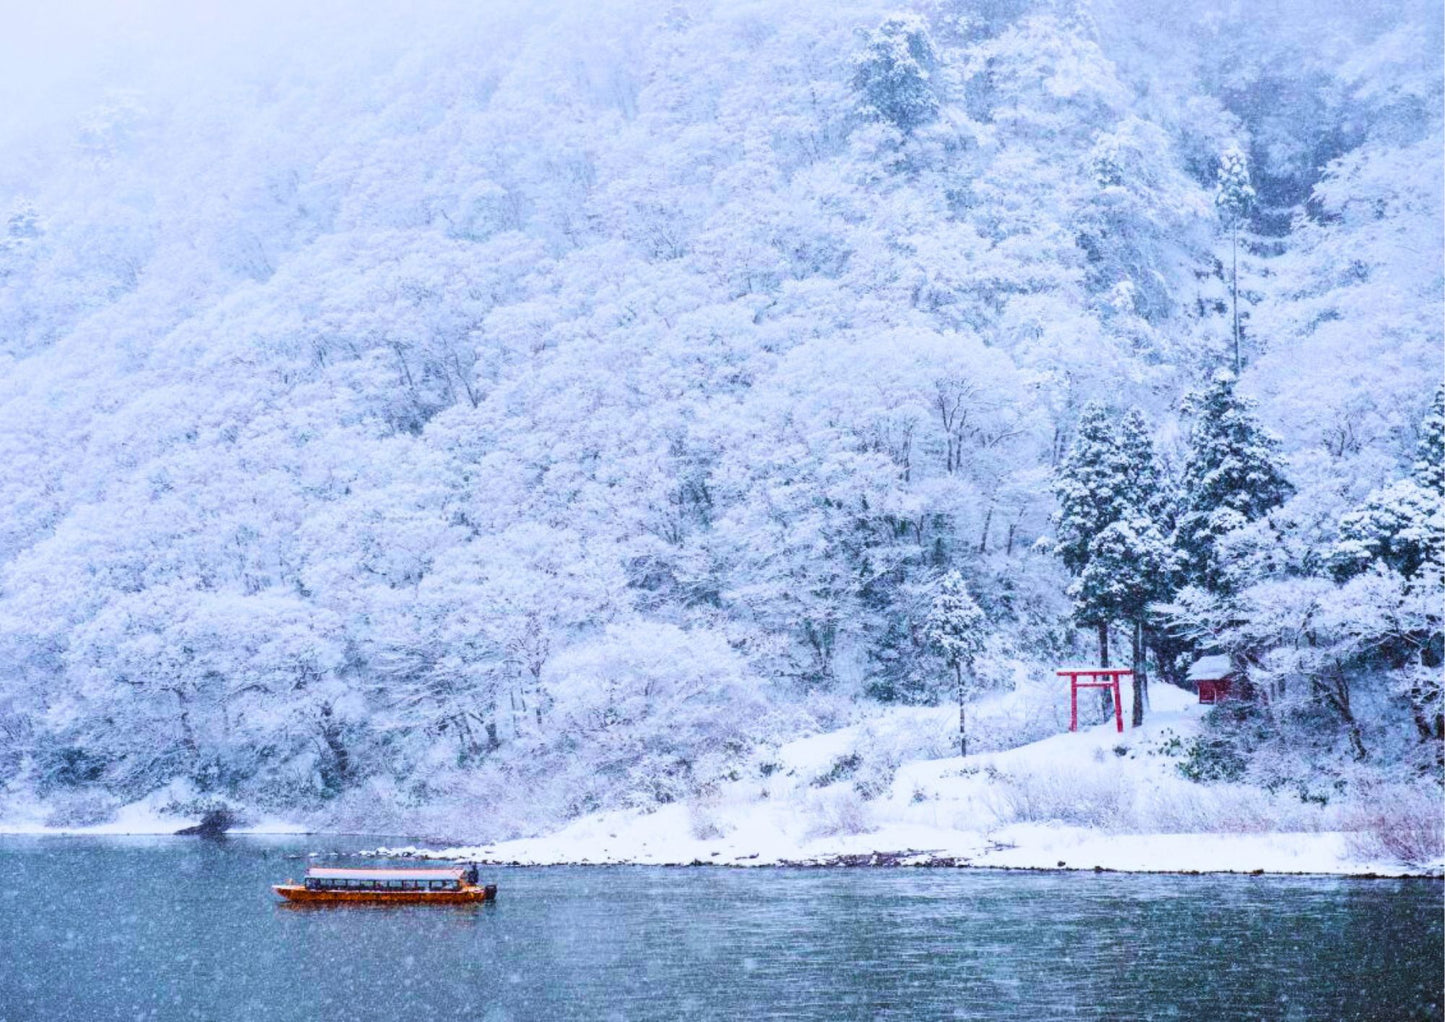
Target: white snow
1095, 799
1133, 811
144, 817
1211, 668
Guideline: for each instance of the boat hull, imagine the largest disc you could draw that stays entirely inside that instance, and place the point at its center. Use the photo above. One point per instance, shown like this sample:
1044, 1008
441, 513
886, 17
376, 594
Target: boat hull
299, 895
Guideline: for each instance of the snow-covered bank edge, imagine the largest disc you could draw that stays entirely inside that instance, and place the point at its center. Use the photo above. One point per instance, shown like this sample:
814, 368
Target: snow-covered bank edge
886, 792
1023, 848
148, 817
167, 827
870, 795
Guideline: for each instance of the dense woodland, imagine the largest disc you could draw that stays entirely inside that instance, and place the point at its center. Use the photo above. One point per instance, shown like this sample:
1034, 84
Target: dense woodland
542, 407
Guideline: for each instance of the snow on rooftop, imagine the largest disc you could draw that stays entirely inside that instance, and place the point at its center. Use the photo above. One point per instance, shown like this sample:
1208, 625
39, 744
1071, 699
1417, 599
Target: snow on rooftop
1211, 668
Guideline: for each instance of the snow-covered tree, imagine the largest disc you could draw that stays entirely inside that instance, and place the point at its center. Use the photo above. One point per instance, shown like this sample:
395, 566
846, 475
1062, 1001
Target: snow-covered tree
1234, 198
1391, 551
955, 629
1231, 478
1131, 565
1401, 526
894, 74
378, 423
1110, 475
1429, 468
1087, 485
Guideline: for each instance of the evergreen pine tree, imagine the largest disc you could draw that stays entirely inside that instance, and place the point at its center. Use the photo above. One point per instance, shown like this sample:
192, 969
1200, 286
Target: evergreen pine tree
1429, 470
1234, 198
1087, 484
1230, 479
1147, 494
1110, 474
1130, 567
1401, 526
1088, 487
1400, 530
955, 629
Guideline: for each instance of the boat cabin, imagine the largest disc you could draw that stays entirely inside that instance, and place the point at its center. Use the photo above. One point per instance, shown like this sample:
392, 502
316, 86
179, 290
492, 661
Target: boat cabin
445, 879
1214, 677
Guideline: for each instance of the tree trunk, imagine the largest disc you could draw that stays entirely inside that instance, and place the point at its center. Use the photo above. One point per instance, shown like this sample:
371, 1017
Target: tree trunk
1234, 289
1336, 692
1141, 682
188, 733
1106, 698
962, 730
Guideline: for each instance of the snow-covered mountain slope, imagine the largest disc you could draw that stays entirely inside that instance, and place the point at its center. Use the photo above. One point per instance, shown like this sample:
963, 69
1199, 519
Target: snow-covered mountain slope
555, 406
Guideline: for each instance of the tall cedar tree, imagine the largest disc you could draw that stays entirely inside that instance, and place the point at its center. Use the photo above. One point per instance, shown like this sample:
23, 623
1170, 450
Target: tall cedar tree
1130, 567
955, 629
1089, 490
1130, 563
1231, 478
1234, 198
1109, 475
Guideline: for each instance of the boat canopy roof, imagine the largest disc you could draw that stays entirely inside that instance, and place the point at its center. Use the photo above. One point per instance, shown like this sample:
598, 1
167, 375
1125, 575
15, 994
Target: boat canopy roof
328, 873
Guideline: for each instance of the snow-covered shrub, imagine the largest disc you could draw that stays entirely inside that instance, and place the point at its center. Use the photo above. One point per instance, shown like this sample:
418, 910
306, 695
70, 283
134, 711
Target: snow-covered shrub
1036, 708
654, 711
1400, 822
1086, 798
841, 811
703, 819
1183, 808
81, 809
875, 779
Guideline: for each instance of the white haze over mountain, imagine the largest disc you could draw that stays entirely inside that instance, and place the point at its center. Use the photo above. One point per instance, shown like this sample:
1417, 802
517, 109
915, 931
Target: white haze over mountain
544, 406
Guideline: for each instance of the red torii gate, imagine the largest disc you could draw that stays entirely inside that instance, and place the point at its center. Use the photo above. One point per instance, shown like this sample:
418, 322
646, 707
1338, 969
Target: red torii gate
1101, 677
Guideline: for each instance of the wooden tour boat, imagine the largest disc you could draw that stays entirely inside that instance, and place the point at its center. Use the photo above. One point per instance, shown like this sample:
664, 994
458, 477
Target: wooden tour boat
451, 885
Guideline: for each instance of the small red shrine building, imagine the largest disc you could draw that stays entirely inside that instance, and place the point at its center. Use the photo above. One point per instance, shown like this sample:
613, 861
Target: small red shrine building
1214, 677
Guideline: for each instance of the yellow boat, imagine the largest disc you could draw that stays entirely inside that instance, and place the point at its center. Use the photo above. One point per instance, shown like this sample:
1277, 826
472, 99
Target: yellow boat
324, 885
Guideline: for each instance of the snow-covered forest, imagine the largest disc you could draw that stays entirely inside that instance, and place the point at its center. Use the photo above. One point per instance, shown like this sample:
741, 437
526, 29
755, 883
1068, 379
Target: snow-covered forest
516, 410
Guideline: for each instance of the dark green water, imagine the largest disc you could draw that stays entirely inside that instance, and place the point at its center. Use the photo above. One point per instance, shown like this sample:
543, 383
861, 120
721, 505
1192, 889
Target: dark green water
172, 928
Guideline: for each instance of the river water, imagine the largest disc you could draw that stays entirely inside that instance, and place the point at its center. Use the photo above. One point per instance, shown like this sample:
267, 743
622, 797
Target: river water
176, 928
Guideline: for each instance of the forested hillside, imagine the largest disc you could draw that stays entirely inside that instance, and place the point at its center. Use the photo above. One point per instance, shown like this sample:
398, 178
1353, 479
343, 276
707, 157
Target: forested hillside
538, 407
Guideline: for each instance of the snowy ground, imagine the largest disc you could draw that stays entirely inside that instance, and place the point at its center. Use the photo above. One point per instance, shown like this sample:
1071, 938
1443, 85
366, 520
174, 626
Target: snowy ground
884, 792
1088, 800
147, 816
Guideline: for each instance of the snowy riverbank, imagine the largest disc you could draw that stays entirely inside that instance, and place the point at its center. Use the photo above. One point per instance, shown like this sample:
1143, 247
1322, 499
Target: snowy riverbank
878, 794
151, 816
1090, 800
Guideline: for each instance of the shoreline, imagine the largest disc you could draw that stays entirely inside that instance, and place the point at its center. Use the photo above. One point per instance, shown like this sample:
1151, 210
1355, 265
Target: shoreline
1087, 801
899, 860
843, 861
